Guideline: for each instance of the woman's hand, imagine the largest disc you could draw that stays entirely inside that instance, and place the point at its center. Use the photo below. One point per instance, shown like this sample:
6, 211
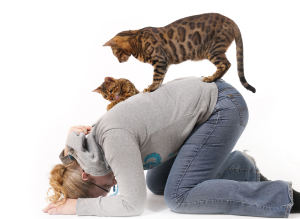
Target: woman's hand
79, 129
68, 208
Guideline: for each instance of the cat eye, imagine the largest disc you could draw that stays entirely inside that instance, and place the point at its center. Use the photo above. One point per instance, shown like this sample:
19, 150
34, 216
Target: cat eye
110, 91
105, 96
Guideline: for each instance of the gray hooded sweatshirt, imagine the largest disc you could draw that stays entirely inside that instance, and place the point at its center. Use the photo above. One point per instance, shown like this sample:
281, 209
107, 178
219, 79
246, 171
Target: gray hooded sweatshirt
139, 134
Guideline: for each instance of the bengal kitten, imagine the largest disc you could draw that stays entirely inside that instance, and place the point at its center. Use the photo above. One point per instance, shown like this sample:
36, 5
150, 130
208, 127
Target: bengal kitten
116, 90
205, 36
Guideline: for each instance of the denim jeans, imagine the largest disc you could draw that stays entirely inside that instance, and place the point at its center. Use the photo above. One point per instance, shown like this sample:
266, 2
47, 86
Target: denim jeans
206, 177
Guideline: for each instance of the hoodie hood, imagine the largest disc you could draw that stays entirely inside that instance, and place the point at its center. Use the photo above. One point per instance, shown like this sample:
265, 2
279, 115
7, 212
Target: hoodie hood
88, 153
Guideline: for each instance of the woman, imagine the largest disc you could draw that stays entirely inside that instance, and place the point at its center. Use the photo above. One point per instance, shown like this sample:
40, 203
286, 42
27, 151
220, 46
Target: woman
183, 133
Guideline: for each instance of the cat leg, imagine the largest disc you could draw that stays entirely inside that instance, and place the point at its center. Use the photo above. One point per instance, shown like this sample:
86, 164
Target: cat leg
126, 96
160, 69
109, 106
112, 104
222, 65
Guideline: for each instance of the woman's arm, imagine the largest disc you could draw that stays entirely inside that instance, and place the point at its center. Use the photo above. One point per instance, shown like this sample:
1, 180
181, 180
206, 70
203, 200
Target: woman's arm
123, 154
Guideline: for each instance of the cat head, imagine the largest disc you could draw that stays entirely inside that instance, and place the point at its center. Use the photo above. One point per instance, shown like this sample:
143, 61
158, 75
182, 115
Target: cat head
120, 45
110, 89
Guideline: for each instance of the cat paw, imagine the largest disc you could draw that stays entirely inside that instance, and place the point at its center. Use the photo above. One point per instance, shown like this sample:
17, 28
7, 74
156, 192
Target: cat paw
147, 90
207, 79
150, 88
109, 106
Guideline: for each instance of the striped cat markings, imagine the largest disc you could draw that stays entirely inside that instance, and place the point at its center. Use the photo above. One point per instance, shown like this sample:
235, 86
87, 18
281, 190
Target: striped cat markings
116, 90
205, 36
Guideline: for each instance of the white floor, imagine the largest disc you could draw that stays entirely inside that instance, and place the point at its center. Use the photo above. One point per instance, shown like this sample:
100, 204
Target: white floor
157, 208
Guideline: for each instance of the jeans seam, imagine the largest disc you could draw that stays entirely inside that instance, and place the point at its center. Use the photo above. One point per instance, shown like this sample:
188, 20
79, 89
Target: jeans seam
254, 162
239, 109
194, 157
228, 200
287, 208
290, 193
224, 89
236, 169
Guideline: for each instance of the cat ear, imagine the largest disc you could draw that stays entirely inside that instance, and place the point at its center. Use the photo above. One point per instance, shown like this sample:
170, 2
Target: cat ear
97, 90
110, 43
109, 79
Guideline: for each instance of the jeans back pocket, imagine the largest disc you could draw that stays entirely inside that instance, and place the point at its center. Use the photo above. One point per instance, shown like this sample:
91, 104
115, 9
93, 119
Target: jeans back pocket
240, 103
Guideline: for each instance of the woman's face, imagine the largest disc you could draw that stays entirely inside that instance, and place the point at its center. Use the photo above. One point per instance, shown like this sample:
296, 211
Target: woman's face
105, 182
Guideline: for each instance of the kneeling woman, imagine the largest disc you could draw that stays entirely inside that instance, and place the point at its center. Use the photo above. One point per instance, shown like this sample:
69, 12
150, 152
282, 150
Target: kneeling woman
185, 132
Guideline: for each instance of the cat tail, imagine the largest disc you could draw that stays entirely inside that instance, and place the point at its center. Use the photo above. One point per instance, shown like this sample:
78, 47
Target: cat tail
240, 60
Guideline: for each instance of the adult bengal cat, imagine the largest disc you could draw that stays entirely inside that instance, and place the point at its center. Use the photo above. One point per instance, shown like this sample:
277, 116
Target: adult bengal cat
205, 36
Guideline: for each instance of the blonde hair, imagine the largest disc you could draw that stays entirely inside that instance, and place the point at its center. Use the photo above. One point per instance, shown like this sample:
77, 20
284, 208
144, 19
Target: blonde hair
66, 182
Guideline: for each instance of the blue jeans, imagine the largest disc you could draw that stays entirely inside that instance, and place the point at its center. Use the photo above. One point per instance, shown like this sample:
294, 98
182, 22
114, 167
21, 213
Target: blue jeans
206, 177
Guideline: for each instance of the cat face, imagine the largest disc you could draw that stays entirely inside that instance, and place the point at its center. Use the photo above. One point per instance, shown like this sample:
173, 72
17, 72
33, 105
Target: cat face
120, 48
120, 54
110, 89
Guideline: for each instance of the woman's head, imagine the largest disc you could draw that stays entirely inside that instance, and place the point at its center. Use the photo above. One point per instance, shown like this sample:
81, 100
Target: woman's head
70, 181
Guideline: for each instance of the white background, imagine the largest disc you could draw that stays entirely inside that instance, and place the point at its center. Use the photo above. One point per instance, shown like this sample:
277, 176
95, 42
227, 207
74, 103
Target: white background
51, 58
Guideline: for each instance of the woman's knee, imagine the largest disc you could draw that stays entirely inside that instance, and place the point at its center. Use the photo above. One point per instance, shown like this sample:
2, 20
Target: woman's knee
241, 158
237, 155
152, 184
238, 166
172, 199
173, 205
156, 178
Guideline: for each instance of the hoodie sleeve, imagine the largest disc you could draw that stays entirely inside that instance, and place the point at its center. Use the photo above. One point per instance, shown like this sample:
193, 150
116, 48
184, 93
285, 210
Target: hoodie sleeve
123, 155
88, 153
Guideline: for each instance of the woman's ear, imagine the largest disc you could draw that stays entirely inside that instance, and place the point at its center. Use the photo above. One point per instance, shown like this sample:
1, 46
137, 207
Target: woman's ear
85, 176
